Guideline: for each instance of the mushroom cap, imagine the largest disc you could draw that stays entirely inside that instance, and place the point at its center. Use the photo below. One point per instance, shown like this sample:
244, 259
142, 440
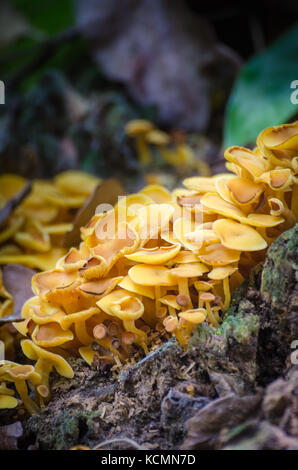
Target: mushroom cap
157, 137
34, 352
76, 182
246, 159
278, 179
195, 316
221, 272
158, 255
24, 372
122, 304
238, 236
157, 193
202, 285
138, 127
207, 297
185, 256
218, 255
189, 270
171, 301
200, 184
101, 286
51, 335
49, 280
8, 402
147, 275
130, 286
244, 191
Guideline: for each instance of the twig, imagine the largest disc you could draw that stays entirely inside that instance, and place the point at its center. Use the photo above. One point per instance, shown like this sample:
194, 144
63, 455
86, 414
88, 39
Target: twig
125, 440
14, 202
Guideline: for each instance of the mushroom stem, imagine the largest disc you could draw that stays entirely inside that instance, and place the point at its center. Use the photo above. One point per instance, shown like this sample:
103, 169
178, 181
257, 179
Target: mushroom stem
143, 150
184, 290
226, 288
210, 315
43, 368
81, 333
22, 390
141, 336
157, 297
172, 311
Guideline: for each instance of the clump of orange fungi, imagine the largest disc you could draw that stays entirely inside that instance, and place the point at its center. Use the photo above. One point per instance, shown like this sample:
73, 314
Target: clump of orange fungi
160, 263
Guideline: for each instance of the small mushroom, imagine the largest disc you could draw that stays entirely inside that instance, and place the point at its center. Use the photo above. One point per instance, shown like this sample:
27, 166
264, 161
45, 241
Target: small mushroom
138, 128
223, 273
46, 361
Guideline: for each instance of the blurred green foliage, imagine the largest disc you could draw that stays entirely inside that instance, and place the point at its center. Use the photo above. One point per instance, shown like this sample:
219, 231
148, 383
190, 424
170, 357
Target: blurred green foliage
261, 93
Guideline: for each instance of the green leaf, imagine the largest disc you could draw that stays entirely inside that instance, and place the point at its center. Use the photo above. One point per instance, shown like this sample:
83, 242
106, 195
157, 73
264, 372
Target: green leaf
261, 96
48, 16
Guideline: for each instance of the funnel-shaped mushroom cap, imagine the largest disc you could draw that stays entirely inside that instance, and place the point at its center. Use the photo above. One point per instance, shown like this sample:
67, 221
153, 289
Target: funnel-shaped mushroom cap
263, 220
185, 256
189, 270
195, 316
49, 280
200, 184
276, 206
238, 236
147, 275
34, 352
218, 255
158, 255
247, 160
181, 228
76, 182
202, 285
51, 335
125, 241
279, 143
221, 272
127, 308
122, 304
223, 190
244, 191
101, 286
24, 372
157, 137
158, 193
203, 237
279, 179
138, 127
170, 301
216, 204
146, 291
8, 402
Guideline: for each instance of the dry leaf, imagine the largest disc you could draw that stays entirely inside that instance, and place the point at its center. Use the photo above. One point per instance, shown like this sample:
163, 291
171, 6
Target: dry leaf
17, 281
106, 192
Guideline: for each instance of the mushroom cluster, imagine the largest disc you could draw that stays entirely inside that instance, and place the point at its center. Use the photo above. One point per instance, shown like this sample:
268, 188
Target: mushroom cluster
160, 263
33, 232
152, 142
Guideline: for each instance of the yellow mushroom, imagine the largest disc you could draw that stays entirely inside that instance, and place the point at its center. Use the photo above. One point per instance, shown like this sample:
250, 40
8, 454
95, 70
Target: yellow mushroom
238, 236
46, 361
138, 128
